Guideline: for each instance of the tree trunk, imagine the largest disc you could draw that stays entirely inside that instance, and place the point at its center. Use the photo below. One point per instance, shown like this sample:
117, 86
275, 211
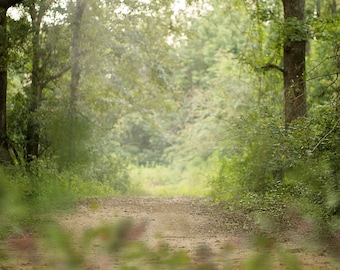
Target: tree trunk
35, 94
294, 61
333, 7
6, 4
3, 87
4, 153
39, 78
79, 8
75, 55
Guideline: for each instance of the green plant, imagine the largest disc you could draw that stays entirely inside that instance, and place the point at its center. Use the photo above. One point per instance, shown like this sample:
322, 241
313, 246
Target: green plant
112, 170
173, 179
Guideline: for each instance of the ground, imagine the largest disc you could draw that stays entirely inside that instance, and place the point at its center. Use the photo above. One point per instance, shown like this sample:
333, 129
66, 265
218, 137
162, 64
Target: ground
190, 224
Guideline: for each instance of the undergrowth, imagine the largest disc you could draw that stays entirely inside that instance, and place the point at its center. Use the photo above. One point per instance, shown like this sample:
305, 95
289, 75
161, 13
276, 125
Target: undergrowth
284, 179
171, 180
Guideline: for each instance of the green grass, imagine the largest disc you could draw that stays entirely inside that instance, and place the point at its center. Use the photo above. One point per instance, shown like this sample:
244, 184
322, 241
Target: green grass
172, 180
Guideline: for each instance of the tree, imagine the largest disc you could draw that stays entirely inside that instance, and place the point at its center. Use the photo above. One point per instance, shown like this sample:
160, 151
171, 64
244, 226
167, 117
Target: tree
75, 58
79, 8
294, 61
45, 56
4, 5
294, 38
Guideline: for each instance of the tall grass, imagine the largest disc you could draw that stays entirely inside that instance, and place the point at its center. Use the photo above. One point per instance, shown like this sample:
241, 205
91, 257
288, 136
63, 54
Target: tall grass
171, 180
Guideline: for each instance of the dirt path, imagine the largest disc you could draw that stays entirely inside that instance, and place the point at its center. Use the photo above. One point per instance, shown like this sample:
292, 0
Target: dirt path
184, 223
189, 224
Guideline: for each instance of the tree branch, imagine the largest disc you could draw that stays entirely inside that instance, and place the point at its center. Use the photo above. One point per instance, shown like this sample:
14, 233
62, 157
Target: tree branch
324, 137
324, 75
272, 66
55, 76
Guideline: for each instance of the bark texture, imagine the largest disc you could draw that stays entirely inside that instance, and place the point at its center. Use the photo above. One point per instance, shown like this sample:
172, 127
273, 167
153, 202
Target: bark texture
294, 61
4, 5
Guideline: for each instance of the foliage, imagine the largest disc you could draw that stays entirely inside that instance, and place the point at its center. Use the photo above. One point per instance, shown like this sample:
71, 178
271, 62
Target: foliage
11, 209
251, 175
141, 138
111, 172
173, 179
266, 169
66, 139
253, 154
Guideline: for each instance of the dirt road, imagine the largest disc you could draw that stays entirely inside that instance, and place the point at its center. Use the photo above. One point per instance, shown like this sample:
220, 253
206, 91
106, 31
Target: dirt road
192, 225
189, 224
184, 223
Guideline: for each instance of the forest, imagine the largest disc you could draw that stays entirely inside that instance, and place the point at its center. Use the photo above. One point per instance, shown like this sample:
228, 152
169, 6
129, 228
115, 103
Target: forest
234, 101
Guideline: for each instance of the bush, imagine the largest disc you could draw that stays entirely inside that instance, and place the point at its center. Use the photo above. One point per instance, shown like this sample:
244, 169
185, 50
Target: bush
266, 169
12, 210
111, 171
